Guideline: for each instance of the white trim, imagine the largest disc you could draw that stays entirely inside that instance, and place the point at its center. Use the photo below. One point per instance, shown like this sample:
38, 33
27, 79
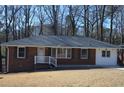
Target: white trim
86, 55
106, 53
71, 54
18, 52
56, 52
7, 59
66, 53
35, 60
62, 46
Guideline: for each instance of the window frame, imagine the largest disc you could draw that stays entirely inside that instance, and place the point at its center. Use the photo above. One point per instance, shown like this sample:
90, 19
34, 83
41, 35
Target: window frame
18, 53
62, 51
106, 53
87, 56
70, 53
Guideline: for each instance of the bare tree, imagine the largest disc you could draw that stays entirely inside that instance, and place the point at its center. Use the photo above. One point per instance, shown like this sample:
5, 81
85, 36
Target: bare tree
55, 10
6, 24
97, 22
62, 17
52, 13
73, 18
86, 18
29, 13
101, 16
15, 9
41, 18
113, 9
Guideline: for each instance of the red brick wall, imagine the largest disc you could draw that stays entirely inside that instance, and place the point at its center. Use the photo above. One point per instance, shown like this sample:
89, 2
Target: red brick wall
17, 64
76, 57
27, 64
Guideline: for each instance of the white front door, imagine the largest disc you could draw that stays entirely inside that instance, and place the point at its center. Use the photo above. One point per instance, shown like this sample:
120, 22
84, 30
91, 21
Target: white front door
41, 55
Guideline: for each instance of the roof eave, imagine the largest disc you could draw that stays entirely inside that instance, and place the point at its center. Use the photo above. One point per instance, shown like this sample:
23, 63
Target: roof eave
57, 46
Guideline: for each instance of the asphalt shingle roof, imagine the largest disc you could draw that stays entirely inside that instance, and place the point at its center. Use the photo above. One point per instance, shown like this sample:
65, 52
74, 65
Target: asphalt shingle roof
60, 41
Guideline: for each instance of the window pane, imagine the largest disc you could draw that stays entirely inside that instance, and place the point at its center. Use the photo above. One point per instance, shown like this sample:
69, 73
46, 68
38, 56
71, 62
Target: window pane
61, 52
69, 53
108, 53
21, 49
103, 53
21, 52
84, 53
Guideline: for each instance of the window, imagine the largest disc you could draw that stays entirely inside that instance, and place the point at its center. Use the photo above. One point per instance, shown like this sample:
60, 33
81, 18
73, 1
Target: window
61, 53
108, 53
21, 52
84, 53
69, 52
105, 53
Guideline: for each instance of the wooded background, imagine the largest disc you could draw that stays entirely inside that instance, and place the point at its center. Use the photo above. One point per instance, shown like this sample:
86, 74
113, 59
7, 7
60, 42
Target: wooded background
102, 22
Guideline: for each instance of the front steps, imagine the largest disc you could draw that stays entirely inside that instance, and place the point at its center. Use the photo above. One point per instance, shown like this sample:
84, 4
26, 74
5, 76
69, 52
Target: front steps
39, 66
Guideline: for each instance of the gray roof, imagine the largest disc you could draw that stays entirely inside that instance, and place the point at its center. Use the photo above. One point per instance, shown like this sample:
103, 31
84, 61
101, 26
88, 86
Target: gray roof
60, 41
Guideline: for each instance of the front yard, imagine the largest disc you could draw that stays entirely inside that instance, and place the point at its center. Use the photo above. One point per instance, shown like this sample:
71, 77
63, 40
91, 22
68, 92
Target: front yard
65, 78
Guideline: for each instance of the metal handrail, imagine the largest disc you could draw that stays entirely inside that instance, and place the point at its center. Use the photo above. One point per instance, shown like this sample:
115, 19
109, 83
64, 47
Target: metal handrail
53, 61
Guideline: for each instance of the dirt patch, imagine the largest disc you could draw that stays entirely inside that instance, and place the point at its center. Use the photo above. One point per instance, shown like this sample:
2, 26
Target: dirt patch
1, 77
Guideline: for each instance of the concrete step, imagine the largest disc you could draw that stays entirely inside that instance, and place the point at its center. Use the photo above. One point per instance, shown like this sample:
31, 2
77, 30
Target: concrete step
40, 66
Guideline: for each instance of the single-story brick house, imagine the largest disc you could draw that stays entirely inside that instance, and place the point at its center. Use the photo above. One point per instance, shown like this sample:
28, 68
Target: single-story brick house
42, 51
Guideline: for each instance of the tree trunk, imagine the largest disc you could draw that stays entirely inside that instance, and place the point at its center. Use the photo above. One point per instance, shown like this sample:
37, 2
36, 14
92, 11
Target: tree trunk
41, 28
27, 17
6, 15
73, 27
7, 33
101, 23
111, 26
87, 21
13, 25
85, 28
72, 20
55, 18
97, 23
101, 28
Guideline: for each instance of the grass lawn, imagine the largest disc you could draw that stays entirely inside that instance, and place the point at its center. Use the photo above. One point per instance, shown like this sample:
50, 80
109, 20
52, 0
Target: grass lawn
65, 78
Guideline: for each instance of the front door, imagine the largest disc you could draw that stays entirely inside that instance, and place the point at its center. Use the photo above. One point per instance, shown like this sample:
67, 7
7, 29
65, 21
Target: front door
41, 55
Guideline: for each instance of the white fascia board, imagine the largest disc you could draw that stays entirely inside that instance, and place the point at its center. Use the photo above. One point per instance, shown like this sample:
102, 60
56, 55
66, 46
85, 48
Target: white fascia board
58, 46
